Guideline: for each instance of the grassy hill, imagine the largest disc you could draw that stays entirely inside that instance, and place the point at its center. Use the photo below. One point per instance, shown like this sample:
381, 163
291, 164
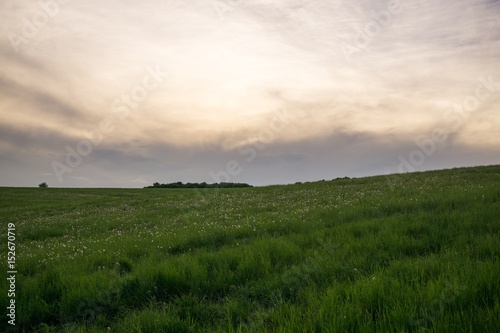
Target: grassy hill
406, 253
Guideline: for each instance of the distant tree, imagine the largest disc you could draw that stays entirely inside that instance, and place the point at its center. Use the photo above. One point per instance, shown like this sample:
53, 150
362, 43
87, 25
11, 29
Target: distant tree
43, 185
198, 185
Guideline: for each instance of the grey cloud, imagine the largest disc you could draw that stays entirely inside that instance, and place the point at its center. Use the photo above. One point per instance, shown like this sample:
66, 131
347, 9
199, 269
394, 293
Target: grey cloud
33, 138
353, 119
42, 101
338, 155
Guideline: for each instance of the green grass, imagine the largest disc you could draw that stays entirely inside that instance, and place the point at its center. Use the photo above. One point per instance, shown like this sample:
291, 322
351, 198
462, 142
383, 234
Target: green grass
409, 253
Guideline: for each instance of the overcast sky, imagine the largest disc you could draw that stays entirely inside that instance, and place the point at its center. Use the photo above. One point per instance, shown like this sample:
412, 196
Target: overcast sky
126, 93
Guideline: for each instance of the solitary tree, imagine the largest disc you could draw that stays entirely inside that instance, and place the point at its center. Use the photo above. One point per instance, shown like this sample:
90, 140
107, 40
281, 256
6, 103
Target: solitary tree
43, 185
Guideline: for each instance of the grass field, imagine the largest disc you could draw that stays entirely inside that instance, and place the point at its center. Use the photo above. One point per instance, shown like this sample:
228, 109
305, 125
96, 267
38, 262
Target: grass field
407, 253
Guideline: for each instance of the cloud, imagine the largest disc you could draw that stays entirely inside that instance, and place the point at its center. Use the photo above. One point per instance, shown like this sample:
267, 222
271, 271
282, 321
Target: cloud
229, 78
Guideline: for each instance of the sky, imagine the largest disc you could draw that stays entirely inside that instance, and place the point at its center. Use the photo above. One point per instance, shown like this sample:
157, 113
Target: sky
126, 93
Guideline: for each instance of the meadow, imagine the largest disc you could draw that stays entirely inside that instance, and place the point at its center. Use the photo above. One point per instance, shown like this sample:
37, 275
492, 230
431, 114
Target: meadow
415, 252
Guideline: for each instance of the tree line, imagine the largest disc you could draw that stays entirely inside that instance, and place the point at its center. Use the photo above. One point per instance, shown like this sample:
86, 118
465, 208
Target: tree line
198, 185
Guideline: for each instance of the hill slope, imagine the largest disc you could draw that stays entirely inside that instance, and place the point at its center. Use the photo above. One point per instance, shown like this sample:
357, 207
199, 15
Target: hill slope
391, 254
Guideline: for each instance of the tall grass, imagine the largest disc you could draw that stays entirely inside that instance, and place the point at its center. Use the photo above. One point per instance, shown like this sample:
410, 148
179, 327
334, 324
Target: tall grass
413, 253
